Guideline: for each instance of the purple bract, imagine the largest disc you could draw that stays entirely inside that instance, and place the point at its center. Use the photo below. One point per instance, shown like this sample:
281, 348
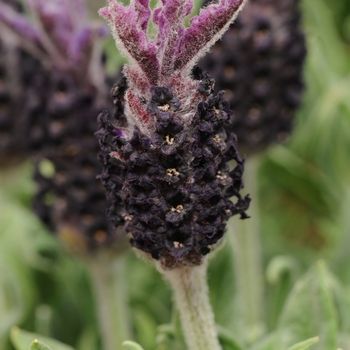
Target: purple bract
169, 58
57, 33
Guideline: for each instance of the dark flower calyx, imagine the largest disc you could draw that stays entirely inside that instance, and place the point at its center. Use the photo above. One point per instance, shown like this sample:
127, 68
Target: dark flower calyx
162, 100
177, 179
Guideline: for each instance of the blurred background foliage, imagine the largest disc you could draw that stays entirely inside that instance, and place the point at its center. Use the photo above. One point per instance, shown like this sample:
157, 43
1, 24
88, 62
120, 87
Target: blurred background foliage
304, 197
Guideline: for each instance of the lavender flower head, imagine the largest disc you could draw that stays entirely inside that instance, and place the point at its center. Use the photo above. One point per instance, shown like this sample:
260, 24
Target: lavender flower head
259, 64
67, 92
169, 133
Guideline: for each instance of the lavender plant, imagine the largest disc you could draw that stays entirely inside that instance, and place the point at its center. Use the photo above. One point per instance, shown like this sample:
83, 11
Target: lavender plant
71, 90
318, 305
172, 137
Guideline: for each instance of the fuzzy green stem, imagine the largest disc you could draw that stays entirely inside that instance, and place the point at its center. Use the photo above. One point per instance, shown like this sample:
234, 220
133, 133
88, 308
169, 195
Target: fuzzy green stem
109, 284
190, 289
245, 242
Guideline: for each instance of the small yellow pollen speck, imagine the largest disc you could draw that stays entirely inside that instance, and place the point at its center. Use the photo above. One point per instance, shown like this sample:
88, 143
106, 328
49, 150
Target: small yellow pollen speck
169, 140
217, 111
127, 218
220, 176
164, 108
172, 172
178, 209
178, 245
217, 139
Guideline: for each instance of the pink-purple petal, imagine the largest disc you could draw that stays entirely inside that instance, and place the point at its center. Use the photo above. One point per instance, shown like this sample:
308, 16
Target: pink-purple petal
131, 38
205, 30
143, 11
81, 45
55, 20
170, 18
19, 24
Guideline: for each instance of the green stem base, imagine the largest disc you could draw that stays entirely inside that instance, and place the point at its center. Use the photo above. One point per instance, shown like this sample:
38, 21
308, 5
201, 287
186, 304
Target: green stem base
246, 246
190, 289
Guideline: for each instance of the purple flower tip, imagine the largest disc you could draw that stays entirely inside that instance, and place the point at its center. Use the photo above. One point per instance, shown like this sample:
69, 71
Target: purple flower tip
176, 49
57, 32
168, 59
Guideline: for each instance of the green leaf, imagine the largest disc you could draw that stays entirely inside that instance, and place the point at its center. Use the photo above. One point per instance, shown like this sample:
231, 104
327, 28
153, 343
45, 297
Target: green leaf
344, 341
145, 327
131, 345
23, 339
304, 344
281, 274
37, 345
88, 339
280, 265
310, 311
227, 340
268, 342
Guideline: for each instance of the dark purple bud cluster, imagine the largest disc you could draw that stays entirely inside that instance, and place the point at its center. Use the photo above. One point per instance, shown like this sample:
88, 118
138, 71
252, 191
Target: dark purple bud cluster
169, 133
67, 90
70, 198
177, 181
259, 64
20, 73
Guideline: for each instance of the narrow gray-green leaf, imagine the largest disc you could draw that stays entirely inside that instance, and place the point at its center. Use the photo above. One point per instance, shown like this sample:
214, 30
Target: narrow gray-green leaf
23, 339
37, 345
306, 344
131, 345
227, 340
268, 342
310, 311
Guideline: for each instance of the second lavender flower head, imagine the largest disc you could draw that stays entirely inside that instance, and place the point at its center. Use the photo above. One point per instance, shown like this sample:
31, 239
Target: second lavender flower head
169, 133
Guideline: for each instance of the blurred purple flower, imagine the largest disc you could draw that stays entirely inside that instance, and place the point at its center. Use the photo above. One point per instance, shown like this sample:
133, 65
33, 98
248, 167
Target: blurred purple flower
56, 31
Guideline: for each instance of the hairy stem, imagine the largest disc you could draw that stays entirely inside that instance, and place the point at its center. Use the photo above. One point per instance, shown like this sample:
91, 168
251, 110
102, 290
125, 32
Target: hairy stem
190, 289
109, 285
246, 247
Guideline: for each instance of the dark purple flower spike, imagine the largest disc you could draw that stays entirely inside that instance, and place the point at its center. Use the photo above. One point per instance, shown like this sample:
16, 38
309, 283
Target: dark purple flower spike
54, 116
169, 133
259, 63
